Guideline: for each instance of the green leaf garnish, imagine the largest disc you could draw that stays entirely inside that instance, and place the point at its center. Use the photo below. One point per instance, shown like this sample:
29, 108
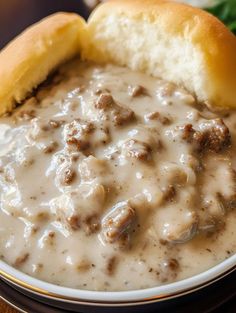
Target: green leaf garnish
225, 10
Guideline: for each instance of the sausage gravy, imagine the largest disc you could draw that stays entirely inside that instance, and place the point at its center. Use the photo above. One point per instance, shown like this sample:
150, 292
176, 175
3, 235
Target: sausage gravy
114, 180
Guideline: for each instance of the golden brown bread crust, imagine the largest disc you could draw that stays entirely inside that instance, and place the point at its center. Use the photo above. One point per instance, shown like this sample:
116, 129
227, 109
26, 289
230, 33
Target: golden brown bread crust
166, 39
30, 57
204, 44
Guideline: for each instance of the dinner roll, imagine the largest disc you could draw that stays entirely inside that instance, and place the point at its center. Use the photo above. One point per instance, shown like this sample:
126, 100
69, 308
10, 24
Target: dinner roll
174, 41
28, 59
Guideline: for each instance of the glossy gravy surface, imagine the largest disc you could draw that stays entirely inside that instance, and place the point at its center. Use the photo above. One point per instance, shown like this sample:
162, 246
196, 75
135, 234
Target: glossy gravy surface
114, 180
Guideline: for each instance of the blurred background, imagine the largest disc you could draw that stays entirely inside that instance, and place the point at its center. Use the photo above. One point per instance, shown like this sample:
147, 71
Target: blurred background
16, 15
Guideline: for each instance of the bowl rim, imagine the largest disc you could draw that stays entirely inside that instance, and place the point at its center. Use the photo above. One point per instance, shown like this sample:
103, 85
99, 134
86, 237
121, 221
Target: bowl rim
163, 292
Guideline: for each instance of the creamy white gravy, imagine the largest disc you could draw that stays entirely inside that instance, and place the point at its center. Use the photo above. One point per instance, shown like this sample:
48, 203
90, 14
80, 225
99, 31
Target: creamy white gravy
114, 180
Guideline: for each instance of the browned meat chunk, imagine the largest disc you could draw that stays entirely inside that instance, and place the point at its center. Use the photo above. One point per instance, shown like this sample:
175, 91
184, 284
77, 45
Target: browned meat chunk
49, 239
153, 116
119, 114
111, 265
76, 134
21, 260
52, 147
74, 222
104, 101
137, 149
83, 266
169, 193
169, 270
91, 224
122, 115
156, 116
42, 216
138, 91
212, 135
67, 176
188, 132
171, 264
118, 221
51, 234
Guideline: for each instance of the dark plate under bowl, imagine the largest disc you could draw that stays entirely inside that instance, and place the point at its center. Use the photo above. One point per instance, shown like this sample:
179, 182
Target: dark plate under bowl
207, 299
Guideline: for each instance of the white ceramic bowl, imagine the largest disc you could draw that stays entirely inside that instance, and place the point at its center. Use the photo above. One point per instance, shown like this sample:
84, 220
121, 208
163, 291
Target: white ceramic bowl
46, 292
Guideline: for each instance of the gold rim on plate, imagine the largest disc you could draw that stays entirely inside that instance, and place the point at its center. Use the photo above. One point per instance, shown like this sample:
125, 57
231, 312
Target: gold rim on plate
162, 297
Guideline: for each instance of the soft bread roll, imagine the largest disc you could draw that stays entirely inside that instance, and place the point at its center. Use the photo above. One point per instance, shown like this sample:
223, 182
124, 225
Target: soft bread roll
174, 41
29, 58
